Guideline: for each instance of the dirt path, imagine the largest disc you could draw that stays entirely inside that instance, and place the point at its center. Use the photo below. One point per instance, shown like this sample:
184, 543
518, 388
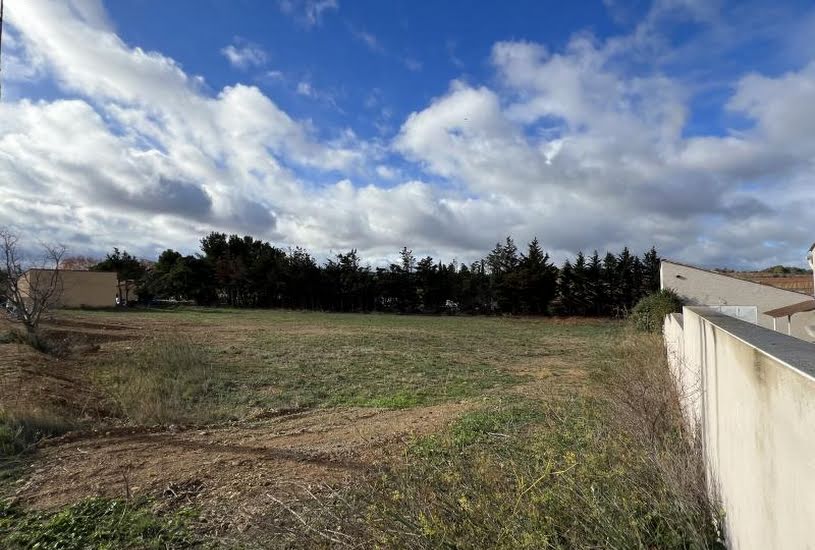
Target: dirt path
231, 468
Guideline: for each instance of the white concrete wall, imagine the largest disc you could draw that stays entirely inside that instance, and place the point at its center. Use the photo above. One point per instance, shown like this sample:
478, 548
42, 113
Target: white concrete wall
699, 287
755, 404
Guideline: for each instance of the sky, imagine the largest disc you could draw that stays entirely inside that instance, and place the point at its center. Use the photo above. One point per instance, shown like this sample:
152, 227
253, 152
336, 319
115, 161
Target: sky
443, 126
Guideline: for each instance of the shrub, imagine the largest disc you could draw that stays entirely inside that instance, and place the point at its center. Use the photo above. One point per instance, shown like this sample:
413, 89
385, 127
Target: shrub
164, 382
649, 314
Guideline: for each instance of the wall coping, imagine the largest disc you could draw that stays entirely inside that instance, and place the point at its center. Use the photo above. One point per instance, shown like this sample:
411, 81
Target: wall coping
792, 352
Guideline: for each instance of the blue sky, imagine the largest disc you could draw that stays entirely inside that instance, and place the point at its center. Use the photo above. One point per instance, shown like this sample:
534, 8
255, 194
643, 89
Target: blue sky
365, 65
442, 126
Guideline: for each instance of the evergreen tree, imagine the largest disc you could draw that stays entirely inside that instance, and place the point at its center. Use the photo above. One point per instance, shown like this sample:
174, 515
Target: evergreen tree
129, 270
627, 282
538, 280
580, 286
611, 285
565, 304
595, 290
650, 272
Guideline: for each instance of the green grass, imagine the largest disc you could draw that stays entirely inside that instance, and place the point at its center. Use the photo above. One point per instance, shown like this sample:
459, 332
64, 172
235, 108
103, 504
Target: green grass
289, 360
571, 472
391, 361
603, 464
97, 523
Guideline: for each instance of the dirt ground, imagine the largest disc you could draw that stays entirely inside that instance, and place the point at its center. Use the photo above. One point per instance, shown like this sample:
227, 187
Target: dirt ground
232, 473
229, 471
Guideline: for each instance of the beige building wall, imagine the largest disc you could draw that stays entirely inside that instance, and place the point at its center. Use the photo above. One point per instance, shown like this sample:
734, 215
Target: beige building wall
752, 392
699, 287
77, 288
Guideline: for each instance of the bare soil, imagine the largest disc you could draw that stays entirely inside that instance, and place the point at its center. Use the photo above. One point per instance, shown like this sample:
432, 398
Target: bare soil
228, 468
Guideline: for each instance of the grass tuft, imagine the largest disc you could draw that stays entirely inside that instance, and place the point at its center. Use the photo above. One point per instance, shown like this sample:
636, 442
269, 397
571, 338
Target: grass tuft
12, 336
167, 382
20, 430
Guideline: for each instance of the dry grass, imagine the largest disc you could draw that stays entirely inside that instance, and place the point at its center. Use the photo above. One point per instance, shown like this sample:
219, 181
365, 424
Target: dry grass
646, 404
612, 470
165, 382
601, 462
21, 427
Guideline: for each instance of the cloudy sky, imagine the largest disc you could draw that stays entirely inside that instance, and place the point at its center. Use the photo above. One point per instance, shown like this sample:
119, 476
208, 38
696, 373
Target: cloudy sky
443, 126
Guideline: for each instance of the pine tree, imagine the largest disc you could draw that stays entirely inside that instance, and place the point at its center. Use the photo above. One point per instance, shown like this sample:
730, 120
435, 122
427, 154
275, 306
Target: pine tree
580, 290
565, 301
537, 280
594, 285
650, 271
611, 285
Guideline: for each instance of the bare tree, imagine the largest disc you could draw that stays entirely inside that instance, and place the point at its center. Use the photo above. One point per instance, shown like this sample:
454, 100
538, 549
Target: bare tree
32, 287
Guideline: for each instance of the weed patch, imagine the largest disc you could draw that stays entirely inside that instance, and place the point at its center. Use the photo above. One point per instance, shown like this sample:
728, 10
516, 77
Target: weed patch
11, 336
166, 382
93, 523
529, 475
20, 431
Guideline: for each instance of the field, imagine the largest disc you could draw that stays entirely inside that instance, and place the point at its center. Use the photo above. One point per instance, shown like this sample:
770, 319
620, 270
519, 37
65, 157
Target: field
220, 427
797, 283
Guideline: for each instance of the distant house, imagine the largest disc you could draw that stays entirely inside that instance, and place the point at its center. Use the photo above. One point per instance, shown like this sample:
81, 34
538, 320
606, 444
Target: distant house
75, 288
759, 303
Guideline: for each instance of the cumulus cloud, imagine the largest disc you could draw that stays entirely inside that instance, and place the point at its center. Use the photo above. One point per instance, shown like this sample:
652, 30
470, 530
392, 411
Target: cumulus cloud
573, 145
141, 137
598, 156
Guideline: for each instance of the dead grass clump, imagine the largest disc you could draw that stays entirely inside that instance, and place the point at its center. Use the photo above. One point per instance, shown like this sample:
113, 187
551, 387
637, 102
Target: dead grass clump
20, 430
646, 404
11, 336
163, 382
40, 341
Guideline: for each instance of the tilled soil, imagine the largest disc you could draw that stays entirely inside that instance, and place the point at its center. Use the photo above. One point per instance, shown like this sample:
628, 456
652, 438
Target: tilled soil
227, 469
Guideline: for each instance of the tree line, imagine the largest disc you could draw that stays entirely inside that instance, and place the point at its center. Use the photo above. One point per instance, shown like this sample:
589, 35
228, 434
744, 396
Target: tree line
248, 272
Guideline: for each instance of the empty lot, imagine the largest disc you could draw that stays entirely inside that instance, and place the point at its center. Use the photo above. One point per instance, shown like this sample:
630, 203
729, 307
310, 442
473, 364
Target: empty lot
286, 429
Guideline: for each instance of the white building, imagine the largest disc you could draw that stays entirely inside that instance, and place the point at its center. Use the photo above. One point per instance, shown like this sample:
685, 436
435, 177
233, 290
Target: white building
790, 311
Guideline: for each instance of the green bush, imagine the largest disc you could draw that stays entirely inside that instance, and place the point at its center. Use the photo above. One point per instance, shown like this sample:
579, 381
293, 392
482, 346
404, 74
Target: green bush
649, 314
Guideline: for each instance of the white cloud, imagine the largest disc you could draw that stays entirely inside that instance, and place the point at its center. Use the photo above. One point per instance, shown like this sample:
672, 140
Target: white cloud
598, 158
244, 55
304, 88
308, 12
571, 145
367, 38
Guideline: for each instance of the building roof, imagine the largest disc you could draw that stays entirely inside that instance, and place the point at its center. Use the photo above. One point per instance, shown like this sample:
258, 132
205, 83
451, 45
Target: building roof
762, 283
786, 311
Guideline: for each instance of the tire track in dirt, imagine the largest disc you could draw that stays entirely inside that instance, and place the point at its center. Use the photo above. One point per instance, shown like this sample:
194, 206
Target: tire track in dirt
229, 464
